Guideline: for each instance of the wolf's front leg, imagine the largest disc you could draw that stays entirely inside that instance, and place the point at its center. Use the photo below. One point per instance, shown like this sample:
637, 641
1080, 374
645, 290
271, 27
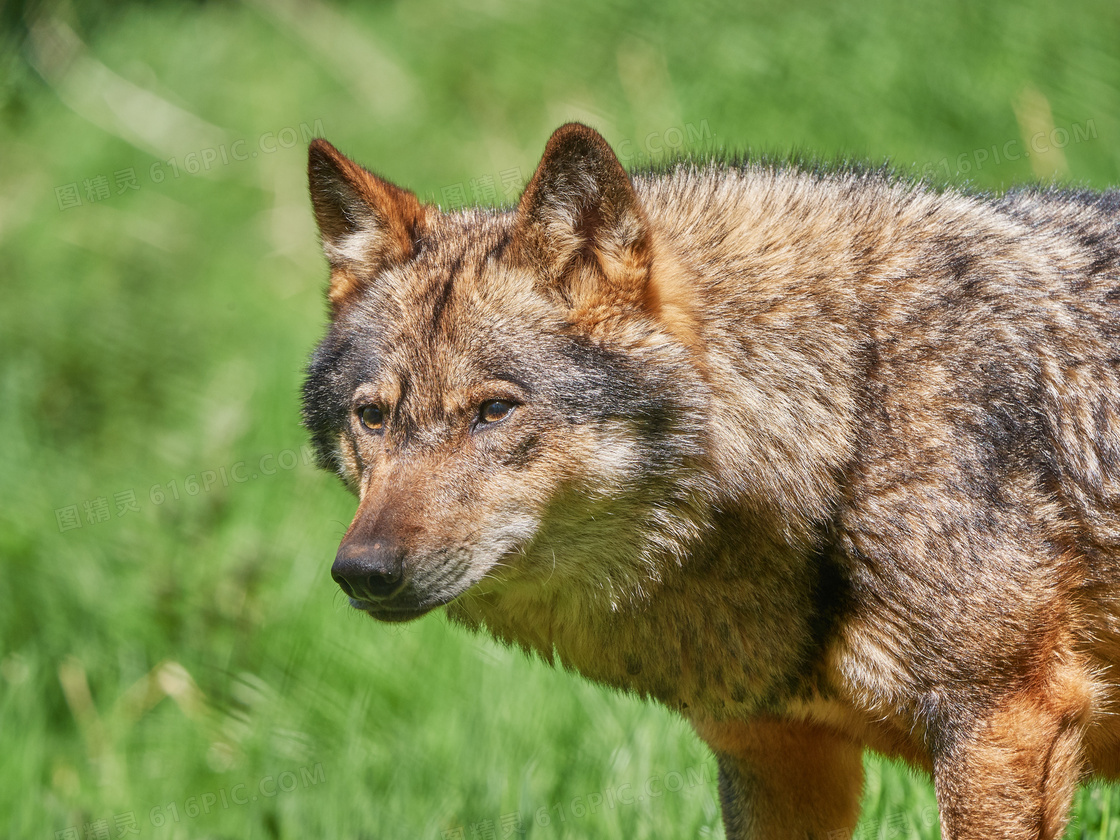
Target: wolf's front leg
781, 779
1013, 773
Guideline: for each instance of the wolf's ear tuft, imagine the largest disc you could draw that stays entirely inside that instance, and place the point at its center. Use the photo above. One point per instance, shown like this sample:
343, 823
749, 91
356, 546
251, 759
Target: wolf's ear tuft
580, 226
366, 223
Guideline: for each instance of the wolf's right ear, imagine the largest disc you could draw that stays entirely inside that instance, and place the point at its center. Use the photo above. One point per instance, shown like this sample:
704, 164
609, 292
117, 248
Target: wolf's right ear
581, 227
366, 223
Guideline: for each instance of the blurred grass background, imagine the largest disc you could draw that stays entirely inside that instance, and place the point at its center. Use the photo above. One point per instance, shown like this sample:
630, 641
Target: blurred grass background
175, 661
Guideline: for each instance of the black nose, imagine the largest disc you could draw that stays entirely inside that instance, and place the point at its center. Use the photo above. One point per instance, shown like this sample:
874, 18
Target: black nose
369, 571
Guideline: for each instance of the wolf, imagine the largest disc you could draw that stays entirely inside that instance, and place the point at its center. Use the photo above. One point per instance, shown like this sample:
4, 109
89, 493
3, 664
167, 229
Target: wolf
822, 458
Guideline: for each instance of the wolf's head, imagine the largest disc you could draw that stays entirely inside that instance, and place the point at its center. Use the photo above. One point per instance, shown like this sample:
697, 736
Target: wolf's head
511, 395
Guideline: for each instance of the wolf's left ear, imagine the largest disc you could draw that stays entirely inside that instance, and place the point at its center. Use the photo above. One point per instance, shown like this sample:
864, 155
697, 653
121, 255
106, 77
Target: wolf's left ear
366, 223
580, 226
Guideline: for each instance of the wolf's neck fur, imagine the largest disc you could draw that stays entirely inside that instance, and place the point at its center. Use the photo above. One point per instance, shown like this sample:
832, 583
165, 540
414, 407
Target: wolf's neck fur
705, 638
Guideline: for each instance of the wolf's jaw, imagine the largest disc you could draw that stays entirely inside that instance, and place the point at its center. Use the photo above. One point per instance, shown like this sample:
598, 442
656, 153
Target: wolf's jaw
391, 615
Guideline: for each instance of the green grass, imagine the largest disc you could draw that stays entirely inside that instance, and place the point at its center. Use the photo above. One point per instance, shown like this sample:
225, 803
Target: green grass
184, 655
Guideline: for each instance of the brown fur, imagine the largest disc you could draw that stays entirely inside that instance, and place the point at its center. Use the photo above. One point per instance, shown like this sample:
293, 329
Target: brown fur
820, 459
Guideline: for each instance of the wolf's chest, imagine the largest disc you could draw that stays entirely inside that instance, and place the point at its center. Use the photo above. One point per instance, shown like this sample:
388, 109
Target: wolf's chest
696, 648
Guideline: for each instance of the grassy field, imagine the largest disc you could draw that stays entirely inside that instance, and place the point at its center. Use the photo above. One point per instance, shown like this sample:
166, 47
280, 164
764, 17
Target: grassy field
175, 661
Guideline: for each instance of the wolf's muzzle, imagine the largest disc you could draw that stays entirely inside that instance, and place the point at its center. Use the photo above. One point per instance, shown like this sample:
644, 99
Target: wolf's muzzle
369, 571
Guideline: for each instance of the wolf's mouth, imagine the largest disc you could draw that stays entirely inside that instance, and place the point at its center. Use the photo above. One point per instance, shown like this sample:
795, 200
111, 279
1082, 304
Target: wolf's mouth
400, 600
389, 612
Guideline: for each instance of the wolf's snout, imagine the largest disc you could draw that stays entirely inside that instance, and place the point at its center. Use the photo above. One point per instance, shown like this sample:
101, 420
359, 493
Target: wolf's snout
369, 571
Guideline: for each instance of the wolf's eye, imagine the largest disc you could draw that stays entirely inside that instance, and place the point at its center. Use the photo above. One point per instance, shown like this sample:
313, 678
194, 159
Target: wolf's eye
371, 417
494, 411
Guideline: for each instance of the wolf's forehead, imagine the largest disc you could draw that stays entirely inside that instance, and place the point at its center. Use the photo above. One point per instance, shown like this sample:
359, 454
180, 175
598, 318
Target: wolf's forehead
458, 281
457, 250
452, 308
